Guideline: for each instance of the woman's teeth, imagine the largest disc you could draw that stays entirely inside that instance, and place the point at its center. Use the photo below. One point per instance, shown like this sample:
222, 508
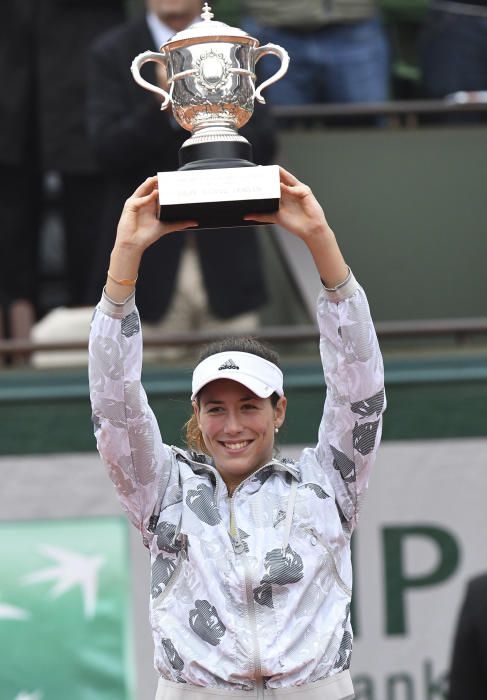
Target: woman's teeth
236, 445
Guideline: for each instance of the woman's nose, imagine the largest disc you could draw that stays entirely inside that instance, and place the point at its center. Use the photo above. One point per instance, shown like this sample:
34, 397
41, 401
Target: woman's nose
232, 423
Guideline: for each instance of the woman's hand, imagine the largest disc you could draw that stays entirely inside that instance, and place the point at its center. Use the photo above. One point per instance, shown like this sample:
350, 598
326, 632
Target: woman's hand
139, 226
301, 214
299, 211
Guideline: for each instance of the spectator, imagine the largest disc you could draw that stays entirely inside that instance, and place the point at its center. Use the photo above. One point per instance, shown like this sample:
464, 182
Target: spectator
339, 51
42, 128
468, 673
134, 139
453, 52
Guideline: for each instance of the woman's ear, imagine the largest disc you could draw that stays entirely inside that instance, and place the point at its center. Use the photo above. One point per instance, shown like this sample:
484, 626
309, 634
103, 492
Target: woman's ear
280, 411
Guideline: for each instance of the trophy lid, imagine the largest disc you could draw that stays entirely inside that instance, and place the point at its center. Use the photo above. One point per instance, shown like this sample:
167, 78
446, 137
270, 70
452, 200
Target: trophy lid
206, 28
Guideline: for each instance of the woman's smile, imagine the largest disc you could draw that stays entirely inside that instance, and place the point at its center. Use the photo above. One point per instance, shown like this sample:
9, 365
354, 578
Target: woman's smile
236, 446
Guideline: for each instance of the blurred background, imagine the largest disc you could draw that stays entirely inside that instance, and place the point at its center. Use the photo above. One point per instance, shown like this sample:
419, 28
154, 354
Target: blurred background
384, 114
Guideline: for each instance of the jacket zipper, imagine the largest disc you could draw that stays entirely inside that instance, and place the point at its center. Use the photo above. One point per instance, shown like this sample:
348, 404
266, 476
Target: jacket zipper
336, 575
239, 549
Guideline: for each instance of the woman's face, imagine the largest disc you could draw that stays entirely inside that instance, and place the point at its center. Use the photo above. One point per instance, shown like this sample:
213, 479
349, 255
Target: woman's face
237, 427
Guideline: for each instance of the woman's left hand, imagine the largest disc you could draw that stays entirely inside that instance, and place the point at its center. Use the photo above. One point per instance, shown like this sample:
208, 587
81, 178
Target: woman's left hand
299, 212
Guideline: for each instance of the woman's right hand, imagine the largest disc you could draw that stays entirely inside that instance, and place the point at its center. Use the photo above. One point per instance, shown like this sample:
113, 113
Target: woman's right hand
139, 226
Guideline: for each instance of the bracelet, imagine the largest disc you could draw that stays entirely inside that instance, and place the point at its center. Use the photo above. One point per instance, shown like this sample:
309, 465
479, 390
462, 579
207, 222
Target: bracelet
124, 282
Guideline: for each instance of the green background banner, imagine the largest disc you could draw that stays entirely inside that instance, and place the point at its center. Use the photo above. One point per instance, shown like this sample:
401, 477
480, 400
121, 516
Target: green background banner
65, 610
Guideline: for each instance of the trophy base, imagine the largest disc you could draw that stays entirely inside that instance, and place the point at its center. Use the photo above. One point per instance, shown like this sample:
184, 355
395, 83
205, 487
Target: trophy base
215, 163
209, 154
218, 197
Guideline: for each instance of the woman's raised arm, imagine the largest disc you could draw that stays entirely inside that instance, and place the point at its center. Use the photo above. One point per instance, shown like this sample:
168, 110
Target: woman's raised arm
138, 228
140, 465
301, 214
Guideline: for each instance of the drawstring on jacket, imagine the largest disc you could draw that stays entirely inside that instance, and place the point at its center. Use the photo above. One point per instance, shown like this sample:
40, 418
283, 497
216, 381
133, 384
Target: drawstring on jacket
289, 515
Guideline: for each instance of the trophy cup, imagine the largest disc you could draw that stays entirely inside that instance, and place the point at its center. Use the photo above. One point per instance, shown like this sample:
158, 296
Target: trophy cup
211, 76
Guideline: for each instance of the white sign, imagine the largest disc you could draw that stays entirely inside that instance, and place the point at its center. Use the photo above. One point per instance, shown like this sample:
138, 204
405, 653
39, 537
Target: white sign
421, 536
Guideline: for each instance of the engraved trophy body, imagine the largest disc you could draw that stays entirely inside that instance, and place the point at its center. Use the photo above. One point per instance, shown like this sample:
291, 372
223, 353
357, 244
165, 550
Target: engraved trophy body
211, 77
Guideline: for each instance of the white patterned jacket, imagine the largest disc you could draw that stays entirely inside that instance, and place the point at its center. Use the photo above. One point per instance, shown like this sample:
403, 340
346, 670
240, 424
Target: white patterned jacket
266, 600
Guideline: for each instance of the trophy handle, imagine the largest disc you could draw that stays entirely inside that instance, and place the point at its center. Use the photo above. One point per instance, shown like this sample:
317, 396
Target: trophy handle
280, 53
137, 64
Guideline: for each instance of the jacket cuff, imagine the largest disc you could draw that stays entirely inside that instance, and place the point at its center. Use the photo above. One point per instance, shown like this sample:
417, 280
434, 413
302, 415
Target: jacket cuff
342, 291
117, 309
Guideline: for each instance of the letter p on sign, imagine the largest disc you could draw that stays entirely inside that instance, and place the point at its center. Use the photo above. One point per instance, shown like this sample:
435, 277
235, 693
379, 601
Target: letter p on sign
397, 581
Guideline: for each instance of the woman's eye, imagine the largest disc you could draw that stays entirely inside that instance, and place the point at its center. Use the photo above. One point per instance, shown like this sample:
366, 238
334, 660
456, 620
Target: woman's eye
215, 409
249, 407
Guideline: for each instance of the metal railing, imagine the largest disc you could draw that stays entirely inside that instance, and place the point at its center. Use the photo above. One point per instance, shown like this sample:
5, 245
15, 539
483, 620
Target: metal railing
457, 329
405, 111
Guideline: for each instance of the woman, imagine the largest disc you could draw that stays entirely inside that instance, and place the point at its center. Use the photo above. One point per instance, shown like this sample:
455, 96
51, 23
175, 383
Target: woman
251, 571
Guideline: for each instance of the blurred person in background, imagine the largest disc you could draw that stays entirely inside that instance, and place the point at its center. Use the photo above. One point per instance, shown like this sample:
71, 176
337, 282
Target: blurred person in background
213, 278
468, 670
339, 50
453, 53
42, 129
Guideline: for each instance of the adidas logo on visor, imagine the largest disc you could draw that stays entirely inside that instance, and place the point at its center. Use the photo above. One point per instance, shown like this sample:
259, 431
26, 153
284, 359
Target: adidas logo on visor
229, 364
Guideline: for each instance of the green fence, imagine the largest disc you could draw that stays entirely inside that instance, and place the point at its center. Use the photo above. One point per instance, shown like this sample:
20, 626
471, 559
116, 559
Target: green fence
48, 412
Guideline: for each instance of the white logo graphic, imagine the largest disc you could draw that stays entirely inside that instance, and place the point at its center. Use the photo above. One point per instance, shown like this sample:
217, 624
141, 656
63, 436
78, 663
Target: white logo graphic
72, 570
10, 612
29, 696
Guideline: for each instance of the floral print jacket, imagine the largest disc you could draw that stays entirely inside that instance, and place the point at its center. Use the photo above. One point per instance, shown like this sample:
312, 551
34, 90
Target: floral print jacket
254, 588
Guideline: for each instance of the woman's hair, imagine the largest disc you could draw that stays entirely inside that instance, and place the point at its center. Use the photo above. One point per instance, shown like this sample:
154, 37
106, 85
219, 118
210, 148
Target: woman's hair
194, 438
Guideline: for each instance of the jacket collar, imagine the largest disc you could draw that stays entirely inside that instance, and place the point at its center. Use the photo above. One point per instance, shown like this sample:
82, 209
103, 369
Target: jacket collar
202, 462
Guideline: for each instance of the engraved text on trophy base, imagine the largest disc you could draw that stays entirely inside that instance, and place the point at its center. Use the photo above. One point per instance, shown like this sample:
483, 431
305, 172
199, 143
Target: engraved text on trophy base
221, 185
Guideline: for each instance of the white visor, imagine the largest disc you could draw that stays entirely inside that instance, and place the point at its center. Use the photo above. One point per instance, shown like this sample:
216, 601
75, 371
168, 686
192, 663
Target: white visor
262, 377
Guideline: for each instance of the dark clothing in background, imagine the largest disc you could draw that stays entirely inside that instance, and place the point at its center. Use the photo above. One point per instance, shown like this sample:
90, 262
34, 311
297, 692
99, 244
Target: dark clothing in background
20, 204
43, 49
133, 140
468, 672
453, 53
43, 68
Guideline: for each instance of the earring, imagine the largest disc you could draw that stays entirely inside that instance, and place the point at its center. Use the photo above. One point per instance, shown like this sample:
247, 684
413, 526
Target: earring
276, 429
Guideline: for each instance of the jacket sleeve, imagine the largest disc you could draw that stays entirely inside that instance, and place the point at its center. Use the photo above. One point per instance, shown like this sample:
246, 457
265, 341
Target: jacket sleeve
127, 435
350, 430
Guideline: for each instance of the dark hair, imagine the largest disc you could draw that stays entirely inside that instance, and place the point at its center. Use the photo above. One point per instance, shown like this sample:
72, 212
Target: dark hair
194, 438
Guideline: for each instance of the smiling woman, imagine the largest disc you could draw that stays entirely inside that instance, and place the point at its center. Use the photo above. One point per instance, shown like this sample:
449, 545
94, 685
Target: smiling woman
250, 552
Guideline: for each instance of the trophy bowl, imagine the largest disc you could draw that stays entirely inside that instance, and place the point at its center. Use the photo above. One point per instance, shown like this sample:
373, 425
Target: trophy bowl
212, 88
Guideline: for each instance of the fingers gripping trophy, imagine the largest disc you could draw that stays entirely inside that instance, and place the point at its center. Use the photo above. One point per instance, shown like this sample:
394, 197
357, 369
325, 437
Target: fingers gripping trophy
212, 89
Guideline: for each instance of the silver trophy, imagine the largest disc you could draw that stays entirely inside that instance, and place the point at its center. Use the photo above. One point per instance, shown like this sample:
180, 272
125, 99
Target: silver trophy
210, 70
